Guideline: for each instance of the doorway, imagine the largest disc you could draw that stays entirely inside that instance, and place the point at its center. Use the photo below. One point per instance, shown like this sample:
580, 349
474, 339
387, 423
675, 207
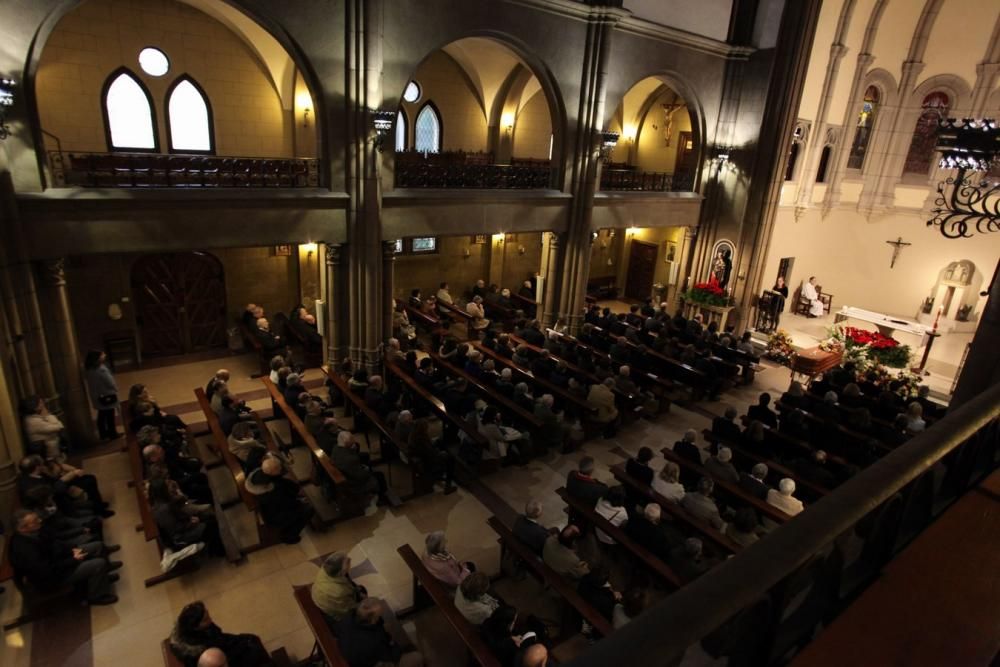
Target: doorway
180, 302
641, 268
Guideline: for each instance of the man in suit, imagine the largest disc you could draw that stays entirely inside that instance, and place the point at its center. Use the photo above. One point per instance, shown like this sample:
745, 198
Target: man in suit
816, 469
688, 561
528, 530
701, 505
639, 469
532, 334
271, 343
721, 466
726, 427
649, 530
686, 447
754, 482
581, 484
762, 413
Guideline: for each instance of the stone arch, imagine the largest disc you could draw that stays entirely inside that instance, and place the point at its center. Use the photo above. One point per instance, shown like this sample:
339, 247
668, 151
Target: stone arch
959, 94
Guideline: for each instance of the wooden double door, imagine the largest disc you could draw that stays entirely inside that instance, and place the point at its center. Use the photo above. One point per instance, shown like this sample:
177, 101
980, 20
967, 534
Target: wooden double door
180, 301
641, 269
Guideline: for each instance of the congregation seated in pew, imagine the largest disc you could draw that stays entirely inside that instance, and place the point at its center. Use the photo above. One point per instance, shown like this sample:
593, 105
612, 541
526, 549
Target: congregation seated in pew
279, 499
442, 564
195, 634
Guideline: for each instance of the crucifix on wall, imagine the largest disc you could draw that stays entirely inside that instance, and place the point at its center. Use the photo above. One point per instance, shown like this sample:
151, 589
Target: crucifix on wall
668, 120
897, 247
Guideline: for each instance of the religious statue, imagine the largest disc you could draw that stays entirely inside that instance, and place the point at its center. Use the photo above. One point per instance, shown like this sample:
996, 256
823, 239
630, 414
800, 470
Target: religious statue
668, 121
722, 266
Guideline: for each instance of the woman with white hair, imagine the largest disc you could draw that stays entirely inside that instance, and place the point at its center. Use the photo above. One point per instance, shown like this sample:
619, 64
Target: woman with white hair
441, 563
668, 483
478, 312
783, 499
915, 418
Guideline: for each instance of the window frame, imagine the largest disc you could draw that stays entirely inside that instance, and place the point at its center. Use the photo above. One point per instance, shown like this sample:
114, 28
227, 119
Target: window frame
877, 105
406, 243
105, 89
440, 120
208, 108
402, 119
923, 110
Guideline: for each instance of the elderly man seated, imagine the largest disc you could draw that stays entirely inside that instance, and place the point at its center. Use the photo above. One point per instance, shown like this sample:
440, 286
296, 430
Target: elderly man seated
721, 466
47, 565
783, 499
561, 553
365, 637
279, 499
333, 591
528, 530
361, 479
701, 505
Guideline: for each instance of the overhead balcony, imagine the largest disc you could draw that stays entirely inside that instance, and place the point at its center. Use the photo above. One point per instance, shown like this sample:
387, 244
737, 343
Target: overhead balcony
620, 177
461, 170
150, 170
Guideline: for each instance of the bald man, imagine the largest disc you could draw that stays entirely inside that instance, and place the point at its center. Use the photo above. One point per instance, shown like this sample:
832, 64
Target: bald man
535, 656
213, 657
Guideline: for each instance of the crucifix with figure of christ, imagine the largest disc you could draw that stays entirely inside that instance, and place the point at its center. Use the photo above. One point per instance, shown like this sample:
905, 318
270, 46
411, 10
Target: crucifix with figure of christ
898, 246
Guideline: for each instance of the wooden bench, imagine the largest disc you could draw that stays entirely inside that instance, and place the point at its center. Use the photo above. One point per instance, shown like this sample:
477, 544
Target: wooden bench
550, 578
749, 458
658, 385
349, 505
222, 448
460, 316
849, 435
426, 585
645, 557
418, 317
711, 536
420, 483
579, 405
325, 646
312, 352
529, 306
673, 369
732, 492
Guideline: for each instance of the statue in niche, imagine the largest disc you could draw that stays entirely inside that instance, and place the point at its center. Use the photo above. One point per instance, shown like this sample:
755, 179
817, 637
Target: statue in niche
722, 266
928, 305
963, 313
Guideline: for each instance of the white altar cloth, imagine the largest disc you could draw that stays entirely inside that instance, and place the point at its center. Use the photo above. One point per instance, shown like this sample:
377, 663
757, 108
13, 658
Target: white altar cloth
886, 324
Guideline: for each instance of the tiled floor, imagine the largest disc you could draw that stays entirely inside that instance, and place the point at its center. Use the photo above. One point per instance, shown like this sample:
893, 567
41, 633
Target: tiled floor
256, 596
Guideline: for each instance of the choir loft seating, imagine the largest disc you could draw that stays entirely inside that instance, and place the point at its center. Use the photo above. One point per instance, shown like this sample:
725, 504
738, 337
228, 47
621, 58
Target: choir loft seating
621, 176
149, 170
460, 169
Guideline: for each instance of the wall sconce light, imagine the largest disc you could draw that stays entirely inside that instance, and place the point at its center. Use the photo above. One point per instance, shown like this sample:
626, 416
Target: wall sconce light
520, 250
507, 121
498, 239
382, 120
466, 252
593, 237
631, 231
7, 87
608, 142
723, 156
310, 248
630, 132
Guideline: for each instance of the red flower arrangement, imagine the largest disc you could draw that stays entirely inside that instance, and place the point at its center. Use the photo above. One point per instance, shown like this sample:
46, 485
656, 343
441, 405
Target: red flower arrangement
708, 293
872, 338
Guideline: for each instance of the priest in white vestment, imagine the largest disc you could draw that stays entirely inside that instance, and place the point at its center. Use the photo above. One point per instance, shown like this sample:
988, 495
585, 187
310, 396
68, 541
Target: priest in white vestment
809, 292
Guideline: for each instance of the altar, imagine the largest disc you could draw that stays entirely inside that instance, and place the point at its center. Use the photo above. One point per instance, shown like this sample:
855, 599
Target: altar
885, 324
718, 314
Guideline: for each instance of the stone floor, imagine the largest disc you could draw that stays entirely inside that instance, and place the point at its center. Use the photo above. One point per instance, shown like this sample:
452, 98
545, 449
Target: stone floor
256, 596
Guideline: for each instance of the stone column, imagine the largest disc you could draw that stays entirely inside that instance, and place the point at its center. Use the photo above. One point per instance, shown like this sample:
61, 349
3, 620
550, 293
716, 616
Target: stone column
334, 303
575, 267
10, 438
551, 280
388, 280
64, 351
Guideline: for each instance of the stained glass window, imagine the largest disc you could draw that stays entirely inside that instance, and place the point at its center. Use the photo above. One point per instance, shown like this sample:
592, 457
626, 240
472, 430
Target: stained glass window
400, 131
423, 244
824, 163
190, 121
921, 153
865, 127
427, 131
412, 92
129, 114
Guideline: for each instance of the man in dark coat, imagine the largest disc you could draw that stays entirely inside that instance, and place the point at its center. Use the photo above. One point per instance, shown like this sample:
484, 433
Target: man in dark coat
581, 484
528, 530
278, 499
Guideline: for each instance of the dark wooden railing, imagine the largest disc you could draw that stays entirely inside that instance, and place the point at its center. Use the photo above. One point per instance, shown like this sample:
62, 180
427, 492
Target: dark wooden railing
148, 170
737, 609
459, 169
651, 181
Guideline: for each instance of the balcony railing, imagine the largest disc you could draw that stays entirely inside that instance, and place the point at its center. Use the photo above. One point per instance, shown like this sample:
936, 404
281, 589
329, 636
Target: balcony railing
470, 170
145, 170
769, 598
647, 181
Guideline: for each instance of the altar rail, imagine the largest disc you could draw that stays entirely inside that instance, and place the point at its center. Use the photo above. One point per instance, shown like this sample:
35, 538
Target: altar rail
630, 179
148, 170
433, 173
734, 606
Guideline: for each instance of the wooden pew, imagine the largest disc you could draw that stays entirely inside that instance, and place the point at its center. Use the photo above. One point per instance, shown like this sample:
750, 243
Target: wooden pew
529, 307
655, 383
349, 505
222, 447
419, 318
675, 370
312, 354
509, 406
548, 577
710, 535
325, 647
749, 458
425, 585
732, 492
420, 483
500, 314
460, 316
850, 435
579, 406
791, 445
279, 657
651, 562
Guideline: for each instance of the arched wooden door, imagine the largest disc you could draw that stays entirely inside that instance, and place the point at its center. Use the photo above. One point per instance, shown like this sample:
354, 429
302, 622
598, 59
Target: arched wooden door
180, 301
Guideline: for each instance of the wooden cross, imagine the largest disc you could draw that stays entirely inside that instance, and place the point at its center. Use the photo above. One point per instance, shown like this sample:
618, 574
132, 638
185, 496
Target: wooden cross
898, 243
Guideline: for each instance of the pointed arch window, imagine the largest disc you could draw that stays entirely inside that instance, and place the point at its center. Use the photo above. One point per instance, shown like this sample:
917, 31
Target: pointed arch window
189, 118
427, 130
824, 163
400, 131
921, 153
865, 127
129, 122
793, 158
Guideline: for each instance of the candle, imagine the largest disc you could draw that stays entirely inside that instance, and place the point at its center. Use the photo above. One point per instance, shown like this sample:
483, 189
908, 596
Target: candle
938, 317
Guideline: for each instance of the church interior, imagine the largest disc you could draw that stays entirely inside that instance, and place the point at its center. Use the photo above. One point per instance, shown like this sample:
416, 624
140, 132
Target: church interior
521, 332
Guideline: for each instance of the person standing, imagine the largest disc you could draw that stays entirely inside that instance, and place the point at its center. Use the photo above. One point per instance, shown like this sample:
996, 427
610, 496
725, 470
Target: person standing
780, 288
103, 393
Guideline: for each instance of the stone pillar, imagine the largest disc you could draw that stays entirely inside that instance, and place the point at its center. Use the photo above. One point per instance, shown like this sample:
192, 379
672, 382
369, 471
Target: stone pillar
388, 280
982, 366
10, 439
334, 303
575, 267
551, 280
64, 350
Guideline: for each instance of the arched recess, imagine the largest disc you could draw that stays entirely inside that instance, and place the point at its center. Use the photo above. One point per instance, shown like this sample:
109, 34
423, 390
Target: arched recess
886, 88
196, 127
428, 129
129, 113
493, 80
632, 124
262, 35
959, 95
402, 130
